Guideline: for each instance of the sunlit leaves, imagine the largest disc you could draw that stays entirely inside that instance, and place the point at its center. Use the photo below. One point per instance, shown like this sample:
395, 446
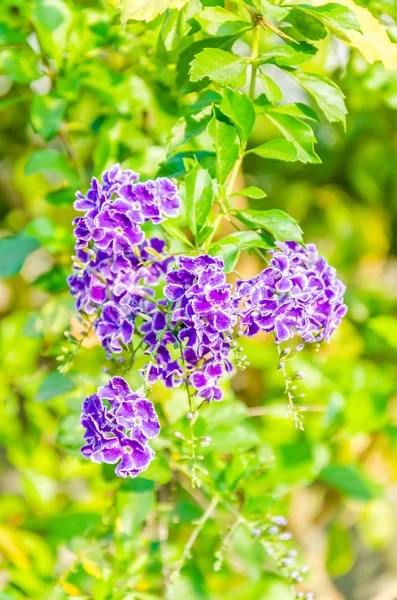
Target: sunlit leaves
251, 192
326, 93
288, 55
226, 143
146, 10
299, 133
220, 66
52, 20
46, 115
277, 149
230, 247
216, 20
276, 222
240, 109
188, 127
198, 197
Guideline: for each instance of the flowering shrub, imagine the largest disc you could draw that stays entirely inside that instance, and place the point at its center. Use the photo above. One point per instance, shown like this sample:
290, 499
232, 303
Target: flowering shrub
193, 307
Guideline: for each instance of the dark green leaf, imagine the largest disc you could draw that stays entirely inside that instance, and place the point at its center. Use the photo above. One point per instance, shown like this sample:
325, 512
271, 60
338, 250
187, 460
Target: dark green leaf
13, 252
299, 110
333, 14
240, 109
175, 165
54, 385
220, 66
62, 196
281, 226
306, 24
54, 280
348, 480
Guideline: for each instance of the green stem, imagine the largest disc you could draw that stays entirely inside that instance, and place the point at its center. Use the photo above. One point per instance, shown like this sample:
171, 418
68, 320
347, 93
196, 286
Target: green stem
254, 56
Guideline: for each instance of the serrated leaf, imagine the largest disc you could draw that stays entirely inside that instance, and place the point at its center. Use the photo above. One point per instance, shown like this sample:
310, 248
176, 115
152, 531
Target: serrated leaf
325, 92
280, 225
13, 252
288, 55
250, 192
240, 109
370, 37
226, 144
223, 67
187, 128
276, 150
297, 132
176, 232
198, 195
146, 10
270, 87
216, 20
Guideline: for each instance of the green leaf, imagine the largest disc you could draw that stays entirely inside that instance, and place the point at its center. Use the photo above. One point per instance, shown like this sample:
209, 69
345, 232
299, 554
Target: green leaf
276, 12
227, 146
52, 20
325, 92
297, 132
13, 252
175, 165
64, 195
54, 280
54, 385
19, 66
188, 127
334, 14
175, 232
240, 109
245, 240
271, 89
146, 10
198, 195
348, 480
302, 111
9, 36
276, 150
50, 161
229, 254
307, 25
274, 587
133, 508
281, 226
250, 192
46, 114
288, 55
216, 20
220, 66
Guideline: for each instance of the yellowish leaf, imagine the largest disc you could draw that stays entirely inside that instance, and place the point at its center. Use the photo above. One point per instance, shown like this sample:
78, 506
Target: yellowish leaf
373, 43
71, 589
92, 568
146, 10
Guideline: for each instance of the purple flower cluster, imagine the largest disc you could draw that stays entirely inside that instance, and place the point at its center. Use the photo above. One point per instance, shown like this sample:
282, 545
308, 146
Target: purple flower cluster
203, 314
115, 264
298, 294
118, 424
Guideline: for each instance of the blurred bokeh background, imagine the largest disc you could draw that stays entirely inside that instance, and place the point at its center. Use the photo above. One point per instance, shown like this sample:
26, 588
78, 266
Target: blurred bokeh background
77, 96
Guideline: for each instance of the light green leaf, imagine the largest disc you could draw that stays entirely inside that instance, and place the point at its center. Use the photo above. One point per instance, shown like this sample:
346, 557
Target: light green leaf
13, 252
49, 161
277, 150
270, 87
229, 253
306, 24
299, 110
334, 14
220, 66
245, 240
198, 194
297, 132
46, 114
216, 20
175, 232
276, 12
54, 385
240, 109
274, 587
288, 55
188, 127
250, 192
226, 144
146, 10
52, 21
280, 225
325, 92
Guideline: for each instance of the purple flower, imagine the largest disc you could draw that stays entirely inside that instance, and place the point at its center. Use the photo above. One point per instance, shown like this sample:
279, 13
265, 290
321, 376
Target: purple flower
298, 294
118, 431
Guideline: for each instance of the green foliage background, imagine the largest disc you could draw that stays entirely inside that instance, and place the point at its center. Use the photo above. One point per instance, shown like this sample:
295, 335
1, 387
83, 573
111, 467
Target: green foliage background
79, 93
